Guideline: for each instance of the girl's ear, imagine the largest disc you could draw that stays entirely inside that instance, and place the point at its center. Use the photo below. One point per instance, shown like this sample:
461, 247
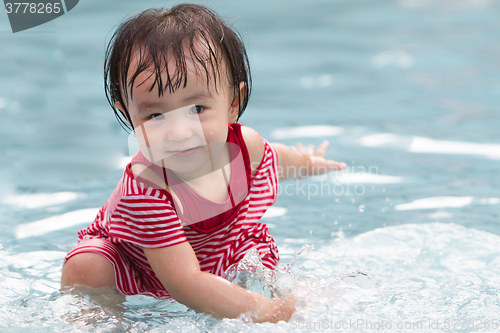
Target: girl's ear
237, 102
119, 106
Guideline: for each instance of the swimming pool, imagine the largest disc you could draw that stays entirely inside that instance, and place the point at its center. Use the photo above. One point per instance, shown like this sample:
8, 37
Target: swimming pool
406, 91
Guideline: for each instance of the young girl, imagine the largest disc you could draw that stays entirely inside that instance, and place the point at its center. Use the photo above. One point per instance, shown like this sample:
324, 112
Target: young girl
189, 203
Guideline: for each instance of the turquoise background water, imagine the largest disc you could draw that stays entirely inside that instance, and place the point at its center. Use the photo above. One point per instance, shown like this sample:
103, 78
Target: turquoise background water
407, 91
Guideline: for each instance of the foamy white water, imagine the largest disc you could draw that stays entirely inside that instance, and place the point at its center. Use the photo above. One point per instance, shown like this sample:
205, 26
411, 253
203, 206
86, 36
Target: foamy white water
436, 202
306, 132
417, 144
399, 58
348, 177
416, 274
275, 212
423, 274
445, 202
365, 178
38, 200
58, 222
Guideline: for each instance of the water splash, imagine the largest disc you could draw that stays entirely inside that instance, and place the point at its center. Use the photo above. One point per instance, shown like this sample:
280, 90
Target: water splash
417, 274
251, 274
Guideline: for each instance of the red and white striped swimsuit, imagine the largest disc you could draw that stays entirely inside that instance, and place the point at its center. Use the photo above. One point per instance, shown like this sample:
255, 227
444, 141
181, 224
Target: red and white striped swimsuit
138, 216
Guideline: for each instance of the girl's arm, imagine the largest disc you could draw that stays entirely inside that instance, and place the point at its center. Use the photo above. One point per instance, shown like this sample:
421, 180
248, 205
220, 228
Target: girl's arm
178, 270
299, 164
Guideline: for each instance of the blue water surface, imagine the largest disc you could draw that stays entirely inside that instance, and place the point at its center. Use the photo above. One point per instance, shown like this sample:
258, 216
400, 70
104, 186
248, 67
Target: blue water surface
407, 93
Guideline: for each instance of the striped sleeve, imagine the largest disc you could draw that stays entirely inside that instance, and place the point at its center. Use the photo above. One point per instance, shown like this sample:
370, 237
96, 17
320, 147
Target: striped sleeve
146, 221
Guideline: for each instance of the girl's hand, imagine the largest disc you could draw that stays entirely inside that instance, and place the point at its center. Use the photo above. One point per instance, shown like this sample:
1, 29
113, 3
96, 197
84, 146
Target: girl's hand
275, 310
178, 270
318, 164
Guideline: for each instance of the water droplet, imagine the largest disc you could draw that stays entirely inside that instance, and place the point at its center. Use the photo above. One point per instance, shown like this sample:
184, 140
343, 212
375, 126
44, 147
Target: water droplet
337, 199
387, 199
310, 232
361, 208
340, 234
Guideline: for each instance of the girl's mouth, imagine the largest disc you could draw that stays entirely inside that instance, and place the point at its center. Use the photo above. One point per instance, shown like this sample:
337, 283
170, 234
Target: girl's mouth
184, 153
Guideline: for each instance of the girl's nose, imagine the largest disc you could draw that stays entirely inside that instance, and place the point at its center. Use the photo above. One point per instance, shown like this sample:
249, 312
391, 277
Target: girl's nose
178, 130
180, 124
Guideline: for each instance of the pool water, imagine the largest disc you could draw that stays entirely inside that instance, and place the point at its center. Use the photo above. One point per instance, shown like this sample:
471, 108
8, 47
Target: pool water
406, 238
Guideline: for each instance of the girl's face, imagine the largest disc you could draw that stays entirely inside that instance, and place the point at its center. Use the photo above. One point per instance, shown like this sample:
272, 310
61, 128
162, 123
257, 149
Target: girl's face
185, 130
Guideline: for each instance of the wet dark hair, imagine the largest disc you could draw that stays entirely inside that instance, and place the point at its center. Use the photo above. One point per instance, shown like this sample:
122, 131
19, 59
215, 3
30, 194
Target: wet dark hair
160, 36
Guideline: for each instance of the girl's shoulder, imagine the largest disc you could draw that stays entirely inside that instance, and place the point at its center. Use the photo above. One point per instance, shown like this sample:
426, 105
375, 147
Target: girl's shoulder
152, 183
142, 172
255, 146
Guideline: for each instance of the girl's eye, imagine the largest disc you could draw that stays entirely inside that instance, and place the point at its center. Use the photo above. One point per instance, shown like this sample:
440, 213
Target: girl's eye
157, 116
197, 109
